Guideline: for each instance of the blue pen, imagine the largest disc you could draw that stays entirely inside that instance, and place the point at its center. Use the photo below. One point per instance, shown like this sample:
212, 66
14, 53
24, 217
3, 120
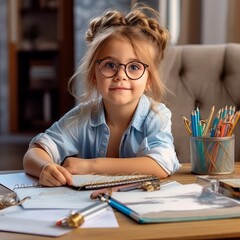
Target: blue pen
224, 112
193, 125
215, 123
200, 129
198, 115
196, 123
120, 207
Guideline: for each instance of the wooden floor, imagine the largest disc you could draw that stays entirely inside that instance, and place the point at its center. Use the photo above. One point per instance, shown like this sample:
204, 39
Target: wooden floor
12, 150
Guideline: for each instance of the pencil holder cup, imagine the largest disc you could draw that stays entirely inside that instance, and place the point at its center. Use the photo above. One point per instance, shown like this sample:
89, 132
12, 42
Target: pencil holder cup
212, 155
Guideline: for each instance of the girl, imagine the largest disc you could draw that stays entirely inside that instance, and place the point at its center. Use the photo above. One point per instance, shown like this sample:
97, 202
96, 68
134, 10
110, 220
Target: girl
120, 125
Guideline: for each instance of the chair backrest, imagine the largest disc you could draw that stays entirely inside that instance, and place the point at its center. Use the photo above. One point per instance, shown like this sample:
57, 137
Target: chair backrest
200, 76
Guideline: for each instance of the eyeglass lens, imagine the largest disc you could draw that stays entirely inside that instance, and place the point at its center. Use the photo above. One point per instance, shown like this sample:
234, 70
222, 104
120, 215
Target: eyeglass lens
110, 67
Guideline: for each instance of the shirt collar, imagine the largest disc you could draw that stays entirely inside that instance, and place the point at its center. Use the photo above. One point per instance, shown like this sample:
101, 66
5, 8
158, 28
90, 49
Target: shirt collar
98, 116
141, 113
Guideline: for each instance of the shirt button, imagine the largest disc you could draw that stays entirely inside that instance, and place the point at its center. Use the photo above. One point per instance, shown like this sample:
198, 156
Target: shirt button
102, 152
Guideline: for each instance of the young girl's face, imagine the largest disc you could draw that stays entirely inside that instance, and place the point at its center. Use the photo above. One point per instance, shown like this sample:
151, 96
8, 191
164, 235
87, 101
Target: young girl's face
120, 89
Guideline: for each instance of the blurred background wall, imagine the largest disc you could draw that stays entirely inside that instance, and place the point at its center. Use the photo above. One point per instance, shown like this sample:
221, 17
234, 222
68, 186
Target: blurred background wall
42, 43
25, 26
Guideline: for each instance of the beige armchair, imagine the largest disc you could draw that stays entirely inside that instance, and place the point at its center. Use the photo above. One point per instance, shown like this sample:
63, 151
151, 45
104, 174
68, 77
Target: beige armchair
200, 76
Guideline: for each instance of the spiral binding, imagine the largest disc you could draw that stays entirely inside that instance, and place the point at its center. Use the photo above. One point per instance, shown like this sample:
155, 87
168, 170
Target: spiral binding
31, 185
121, 181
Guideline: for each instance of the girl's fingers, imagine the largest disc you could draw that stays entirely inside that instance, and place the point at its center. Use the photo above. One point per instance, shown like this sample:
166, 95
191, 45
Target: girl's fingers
55, 175
67, 176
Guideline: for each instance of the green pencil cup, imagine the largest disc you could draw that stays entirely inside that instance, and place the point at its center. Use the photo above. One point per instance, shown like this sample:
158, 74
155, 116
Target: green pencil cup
212, 155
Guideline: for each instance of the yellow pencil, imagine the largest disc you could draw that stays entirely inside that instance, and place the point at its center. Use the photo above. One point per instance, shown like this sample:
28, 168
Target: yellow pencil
187, 124
209, 120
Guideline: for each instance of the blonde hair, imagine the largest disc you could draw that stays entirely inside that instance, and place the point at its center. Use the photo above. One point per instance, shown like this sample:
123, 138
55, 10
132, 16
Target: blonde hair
141, 24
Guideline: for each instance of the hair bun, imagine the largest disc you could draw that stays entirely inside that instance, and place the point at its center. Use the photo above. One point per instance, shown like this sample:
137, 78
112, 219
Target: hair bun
109, 19
143, 17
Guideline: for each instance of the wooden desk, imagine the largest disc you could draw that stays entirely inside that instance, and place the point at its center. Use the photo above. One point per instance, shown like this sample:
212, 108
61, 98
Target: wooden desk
128, 229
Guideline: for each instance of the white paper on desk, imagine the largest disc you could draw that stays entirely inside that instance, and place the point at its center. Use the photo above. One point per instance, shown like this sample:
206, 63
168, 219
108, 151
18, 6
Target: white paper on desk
60, 197
13, 179
183, 203
181, 198
54, 198
42, 222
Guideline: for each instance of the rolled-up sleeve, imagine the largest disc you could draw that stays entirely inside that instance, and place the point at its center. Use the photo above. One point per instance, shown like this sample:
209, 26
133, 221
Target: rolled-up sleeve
59, 140
158, 141
46, 142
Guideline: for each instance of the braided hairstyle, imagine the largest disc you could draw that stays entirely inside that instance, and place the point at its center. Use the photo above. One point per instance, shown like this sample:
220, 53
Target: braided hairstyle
139, 26
136, 19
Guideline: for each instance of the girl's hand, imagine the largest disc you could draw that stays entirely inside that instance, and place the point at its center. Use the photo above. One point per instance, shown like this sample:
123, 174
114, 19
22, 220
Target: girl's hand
53, 174
77, 165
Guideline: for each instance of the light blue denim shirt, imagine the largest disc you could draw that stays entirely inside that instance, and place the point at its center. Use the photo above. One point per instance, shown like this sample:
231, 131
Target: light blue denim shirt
149, 134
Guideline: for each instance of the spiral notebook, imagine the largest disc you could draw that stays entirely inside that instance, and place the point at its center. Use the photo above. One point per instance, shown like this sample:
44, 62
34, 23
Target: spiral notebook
40, 197
90, 182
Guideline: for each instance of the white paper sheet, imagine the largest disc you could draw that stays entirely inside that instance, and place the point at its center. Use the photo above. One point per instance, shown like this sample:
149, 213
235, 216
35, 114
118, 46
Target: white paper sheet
42, 222
54, 198
13, 179
45, 198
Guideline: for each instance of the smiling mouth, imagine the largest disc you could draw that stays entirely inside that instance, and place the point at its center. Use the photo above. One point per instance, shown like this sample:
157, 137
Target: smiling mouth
119, 88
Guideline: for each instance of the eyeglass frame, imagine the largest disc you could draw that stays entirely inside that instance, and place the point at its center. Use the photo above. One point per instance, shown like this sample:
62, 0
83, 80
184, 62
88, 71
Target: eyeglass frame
125, 66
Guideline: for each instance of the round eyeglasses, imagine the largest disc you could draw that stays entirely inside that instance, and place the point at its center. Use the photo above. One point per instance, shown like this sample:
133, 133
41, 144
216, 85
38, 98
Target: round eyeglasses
109, 68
